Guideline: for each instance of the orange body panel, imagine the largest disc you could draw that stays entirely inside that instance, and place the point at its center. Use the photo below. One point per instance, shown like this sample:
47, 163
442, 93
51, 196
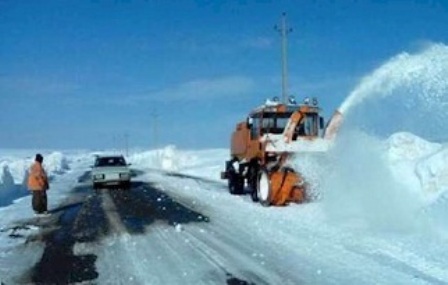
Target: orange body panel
284, 188
242, 146
239, 140
246, 145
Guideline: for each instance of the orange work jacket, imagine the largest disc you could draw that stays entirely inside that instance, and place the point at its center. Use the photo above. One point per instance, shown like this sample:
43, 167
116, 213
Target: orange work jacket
37, 178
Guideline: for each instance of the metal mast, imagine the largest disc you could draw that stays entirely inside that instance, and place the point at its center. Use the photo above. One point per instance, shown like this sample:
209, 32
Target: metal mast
284, 30
126, 143
155, 117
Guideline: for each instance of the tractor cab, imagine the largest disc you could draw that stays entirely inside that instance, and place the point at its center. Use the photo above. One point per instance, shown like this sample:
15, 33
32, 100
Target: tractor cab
273, 119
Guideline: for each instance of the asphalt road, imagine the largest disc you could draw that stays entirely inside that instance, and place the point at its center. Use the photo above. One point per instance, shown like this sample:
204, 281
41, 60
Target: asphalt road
90, 216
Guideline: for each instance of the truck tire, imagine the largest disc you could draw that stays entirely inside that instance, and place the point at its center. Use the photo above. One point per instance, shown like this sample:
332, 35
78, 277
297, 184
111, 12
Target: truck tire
252, 180
254, 195
264, 188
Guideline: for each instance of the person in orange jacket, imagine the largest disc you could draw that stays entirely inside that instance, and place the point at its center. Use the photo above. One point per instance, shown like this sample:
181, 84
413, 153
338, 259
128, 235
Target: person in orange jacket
38, 185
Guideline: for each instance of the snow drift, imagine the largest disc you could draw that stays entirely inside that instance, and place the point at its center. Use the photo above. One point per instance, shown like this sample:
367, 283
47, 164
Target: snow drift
14, 173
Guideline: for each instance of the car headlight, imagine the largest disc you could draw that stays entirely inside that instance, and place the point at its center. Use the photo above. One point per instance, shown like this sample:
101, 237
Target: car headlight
98, 176
124, 175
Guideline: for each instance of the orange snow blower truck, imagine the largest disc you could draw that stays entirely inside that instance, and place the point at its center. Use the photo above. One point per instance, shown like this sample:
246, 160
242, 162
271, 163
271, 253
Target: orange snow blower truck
262, 145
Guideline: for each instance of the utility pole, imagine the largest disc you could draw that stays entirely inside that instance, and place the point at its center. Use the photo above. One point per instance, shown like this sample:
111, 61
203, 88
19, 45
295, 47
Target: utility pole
116, 142
154, 117
126, 143
284, 30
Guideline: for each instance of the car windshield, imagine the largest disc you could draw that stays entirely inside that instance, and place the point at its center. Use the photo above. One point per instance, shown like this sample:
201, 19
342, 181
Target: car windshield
110, 161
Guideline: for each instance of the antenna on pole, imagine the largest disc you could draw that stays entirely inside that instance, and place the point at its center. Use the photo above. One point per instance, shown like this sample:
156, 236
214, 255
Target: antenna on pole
284, 30
155, 116
126, 143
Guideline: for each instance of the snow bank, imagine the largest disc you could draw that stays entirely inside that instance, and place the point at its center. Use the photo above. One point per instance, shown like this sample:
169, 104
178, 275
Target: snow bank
14, 171
407, 146
433, 171
436, 213
377, 183
361, 190
172, 159
168, 158
14, 167
56, 163
17, 167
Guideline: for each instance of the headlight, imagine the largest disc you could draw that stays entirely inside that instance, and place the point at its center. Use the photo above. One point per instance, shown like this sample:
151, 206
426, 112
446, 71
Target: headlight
124, 175
98, 176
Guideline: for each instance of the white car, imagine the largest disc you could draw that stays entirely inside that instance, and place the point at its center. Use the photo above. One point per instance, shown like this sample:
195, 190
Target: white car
111, 171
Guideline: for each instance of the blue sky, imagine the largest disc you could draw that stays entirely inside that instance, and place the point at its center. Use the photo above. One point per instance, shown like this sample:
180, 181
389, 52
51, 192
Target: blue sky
82, 74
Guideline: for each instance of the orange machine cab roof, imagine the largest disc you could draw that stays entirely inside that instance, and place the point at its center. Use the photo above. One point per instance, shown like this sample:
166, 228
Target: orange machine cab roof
283, 108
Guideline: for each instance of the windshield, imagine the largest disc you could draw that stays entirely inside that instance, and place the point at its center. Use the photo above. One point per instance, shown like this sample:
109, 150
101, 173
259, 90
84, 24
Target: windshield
110, 161
274, 123
309, 126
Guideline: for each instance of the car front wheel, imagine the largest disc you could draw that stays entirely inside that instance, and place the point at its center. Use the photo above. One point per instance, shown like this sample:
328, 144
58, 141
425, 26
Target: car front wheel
126, 185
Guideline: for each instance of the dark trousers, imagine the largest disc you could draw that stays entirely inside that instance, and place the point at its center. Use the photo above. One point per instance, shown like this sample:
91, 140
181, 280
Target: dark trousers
40, 201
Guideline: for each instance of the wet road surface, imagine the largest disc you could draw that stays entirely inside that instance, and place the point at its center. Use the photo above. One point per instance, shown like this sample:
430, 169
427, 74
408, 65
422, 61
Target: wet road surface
86, 220
97, 218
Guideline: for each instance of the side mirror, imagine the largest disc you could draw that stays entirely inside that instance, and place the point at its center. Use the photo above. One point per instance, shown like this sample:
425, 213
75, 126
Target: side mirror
321, 122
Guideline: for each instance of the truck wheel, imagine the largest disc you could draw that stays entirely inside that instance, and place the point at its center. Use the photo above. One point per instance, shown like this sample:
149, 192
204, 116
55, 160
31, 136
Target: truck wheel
236, 184
253, 181
264, 188
254, 195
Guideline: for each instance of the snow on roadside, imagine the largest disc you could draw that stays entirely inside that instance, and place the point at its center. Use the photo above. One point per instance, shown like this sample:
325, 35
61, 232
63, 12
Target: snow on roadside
381, 184
210, 162
14, 171
433, 171
407, 146
375, 183
167, 158
65, 168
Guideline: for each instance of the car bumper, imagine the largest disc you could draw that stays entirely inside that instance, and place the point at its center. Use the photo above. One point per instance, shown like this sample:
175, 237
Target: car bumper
111, 179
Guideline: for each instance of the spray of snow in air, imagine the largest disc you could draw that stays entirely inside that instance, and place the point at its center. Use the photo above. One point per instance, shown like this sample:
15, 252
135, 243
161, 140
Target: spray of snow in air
361, 188
425, 74
408, 93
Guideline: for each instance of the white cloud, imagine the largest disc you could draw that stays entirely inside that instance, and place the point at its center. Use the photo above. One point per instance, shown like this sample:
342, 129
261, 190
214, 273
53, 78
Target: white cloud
200, 89
35, 86
259, 43
194, 90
